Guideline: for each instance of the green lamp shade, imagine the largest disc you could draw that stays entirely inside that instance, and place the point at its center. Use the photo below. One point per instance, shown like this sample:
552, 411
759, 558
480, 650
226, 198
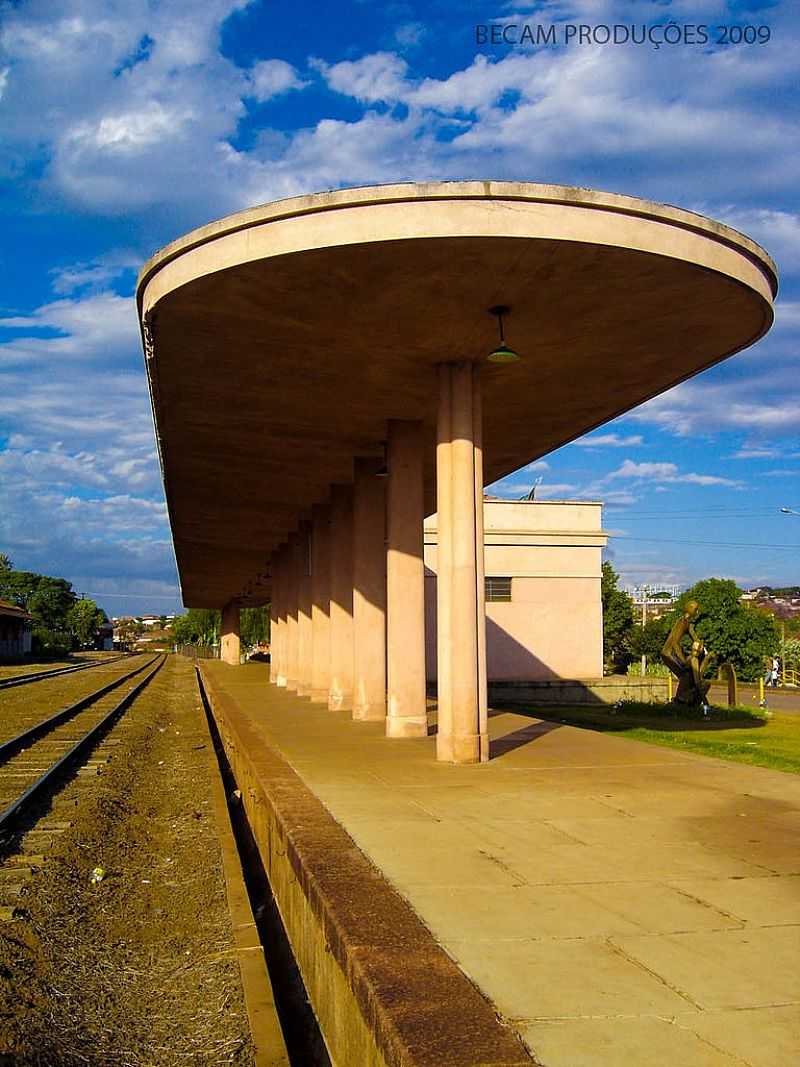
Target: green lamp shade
503, 354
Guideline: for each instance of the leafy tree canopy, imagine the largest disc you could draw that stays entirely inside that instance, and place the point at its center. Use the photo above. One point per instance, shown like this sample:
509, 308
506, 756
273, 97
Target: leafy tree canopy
84, 619
735, 631
648, 640
47, 599
253, 626
617, 620
199, 626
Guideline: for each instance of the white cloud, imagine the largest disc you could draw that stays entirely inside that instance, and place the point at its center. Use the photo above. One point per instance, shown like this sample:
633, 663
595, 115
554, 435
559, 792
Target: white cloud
100, 324
127, 105
664, 472
53, 465
613, 498
609, 440
755, 453
272, 77
136, 108
521, 489
410, 34
654, 471
380, 76
777, 231
765, 401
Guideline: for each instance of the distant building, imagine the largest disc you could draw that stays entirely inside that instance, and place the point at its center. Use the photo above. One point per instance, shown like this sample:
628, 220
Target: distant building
653, 592
544, 616
104, 641
16, 627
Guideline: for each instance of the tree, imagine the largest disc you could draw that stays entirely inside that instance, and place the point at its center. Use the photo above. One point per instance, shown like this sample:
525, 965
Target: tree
5, 564
736, 632
199, 626
648, 640
51, 601
253, 626
617, 620
83, 620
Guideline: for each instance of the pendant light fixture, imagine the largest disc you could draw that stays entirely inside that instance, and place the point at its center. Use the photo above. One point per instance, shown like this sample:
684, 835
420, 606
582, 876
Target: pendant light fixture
503, 353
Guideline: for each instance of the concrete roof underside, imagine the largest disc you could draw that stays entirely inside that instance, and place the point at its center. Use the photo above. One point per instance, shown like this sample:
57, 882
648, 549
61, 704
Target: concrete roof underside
279, 341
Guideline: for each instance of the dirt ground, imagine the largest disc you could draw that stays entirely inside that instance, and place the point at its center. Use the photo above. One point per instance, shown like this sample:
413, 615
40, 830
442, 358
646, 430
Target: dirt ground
139, 969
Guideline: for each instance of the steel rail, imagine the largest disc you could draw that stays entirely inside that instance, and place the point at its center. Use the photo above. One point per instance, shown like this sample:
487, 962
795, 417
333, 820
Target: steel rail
40, 676
14, 745
12, 813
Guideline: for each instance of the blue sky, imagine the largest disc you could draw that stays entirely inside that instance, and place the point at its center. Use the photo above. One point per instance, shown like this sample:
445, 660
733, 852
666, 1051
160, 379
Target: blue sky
123, 124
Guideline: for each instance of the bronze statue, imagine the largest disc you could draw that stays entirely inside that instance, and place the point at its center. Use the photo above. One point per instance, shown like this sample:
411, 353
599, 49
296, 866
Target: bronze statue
689, 668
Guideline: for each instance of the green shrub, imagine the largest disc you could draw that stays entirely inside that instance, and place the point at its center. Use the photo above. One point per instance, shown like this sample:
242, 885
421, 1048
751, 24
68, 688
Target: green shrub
46, 642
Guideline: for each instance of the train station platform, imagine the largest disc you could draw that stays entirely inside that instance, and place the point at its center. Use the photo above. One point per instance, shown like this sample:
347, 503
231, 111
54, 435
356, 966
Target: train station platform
609, 902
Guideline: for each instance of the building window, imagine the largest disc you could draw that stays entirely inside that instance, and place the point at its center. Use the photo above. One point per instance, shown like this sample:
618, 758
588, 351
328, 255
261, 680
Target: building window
498, 589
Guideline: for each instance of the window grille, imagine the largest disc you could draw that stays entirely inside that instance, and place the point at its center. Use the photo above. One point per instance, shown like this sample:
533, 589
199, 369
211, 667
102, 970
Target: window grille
498, 589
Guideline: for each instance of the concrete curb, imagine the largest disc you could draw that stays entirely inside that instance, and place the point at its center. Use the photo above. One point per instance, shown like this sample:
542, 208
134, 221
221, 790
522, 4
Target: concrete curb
265, 1028
383, 990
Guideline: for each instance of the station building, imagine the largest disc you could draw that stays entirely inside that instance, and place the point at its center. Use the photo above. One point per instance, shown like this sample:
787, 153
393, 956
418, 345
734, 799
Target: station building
325, 371
542, 572
16, 627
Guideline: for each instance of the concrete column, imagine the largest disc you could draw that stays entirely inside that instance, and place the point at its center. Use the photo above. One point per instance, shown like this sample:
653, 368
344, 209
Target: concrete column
405, 589
273, 618
461, 645
280, 644
304, 635
340, 695
292, 582
480, 570
229, 638
320, 604
444, 567
369, 592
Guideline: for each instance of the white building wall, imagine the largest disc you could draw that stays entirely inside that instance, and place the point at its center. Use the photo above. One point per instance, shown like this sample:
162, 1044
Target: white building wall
553, 626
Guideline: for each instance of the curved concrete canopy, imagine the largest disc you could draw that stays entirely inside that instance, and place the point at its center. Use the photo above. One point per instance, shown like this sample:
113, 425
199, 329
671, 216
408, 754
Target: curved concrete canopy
280, 340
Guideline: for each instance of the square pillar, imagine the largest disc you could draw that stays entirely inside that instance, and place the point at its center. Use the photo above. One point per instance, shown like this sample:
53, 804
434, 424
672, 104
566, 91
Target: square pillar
405, 589
320, 604
304, 634
273, 618
292, 600
279, 582
229, 638
340, 695
369, 592
461, 641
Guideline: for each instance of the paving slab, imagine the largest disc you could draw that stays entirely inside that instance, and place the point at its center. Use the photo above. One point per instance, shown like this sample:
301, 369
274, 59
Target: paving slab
765, 901
643, 1042
755, 967
619, 903
761, 1037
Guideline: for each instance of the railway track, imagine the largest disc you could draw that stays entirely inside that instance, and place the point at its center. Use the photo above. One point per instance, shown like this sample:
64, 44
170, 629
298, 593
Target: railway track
41, 676
36, 763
